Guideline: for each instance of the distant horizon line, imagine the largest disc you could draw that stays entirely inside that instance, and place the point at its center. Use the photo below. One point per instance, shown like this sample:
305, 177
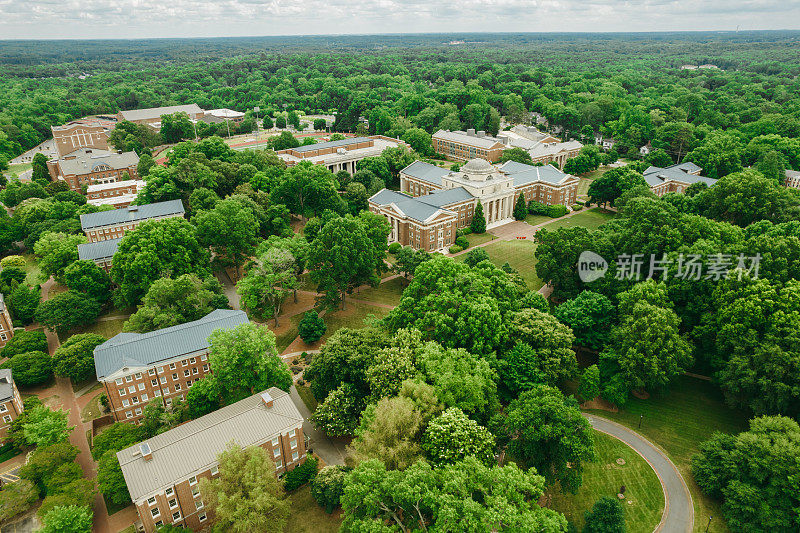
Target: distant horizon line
399, 34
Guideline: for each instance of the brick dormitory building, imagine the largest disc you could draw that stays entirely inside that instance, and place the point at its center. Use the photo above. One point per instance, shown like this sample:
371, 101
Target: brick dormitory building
105, 229
90, 166
163, 473
340, 155
6, 324
434, 203
135, 368
10, 402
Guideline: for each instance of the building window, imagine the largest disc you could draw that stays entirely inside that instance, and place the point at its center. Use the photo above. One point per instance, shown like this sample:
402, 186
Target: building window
192, 360
118, 381
193, 480
161, 370
169, 491
155, 512
125, 403
141, 386
203, 357
145, 397
294, 456
198, 504
276, 452
163, 379
157, 393
214, 470
7, 419
202, 517
293, 444
195, 371
278, 463
177, 386
176, 516
128, 378
186, 373
185, 362
128, 414
122, 392
138, 375
151, 372
173, 503
3, 408
205, 368
175, 377
159, 523
172, 366
138, 411
135, 400
132, 389
154, 382
275, 441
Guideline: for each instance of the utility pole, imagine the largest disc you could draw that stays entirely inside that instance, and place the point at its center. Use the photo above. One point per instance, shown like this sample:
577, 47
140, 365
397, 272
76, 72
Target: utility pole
640, 421
709, 522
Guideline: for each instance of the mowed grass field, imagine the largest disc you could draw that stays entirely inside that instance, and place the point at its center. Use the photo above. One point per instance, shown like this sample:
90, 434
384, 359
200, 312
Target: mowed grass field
592, 219
518, 254
604, 477
678, 422
307, 516
387, 293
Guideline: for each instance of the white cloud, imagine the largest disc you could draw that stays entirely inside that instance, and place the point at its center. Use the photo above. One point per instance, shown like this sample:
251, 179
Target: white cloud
38, 19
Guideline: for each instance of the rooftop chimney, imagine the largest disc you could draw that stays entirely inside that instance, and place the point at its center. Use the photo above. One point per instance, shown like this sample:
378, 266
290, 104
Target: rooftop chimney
471, 132
147, 453
267, 399
481, 133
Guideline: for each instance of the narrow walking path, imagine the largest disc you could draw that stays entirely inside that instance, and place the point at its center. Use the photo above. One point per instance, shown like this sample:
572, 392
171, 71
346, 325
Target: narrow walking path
678, 514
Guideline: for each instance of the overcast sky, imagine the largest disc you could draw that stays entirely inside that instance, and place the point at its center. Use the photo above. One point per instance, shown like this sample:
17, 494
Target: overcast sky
43, 19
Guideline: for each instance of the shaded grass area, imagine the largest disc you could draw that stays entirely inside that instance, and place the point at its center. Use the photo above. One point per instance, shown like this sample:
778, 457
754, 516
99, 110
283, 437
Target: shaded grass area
352, 317
284, 339
518, 254
678, 422
92, 410
307, 396
308, 517
583, 184
387, 293
106, 328
605, 477
8, 451
591, 219
113, 507
32, 269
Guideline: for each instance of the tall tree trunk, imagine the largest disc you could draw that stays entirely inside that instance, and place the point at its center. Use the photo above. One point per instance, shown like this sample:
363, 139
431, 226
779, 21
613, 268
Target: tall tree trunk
344, 295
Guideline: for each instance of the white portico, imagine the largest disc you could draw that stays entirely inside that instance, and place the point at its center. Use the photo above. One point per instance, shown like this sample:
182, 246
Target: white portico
492, 187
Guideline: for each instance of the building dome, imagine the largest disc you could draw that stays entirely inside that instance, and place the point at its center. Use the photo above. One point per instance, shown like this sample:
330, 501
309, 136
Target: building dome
477, 166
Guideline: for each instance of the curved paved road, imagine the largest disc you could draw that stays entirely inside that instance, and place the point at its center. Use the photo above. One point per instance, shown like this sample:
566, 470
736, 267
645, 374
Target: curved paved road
678, 514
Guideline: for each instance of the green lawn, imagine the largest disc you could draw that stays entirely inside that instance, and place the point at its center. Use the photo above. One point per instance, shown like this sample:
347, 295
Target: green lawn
307, 516
19, 168
106, 328
353, 317
478, 238
32, 269
583, 186
388, 293
92, 410
678, 422
535, 220
591, 219
518, 254
605, 477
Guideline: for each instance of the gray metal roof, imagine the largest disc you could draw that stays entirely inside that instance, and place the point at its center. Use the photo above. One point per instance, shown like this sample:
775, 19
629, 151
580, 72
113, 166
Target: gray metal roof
656, 176
387, 196
331, 144
88, 160
524, 174
792, 173
145, 349
543, 149
156, 112
193, 447
92, 251
131, 213
689, 166
6, 384
446, 197
426, 172
419, 211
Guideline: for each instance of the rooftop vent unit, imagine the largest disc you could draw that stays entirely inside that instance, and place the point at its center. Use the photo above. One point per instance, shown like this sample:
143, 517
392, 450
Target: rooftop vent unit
133, 208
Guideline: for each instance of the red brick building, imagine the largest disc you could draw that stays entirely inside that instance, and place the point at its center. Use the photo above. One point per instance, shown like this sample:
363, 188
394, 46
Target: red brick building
117, 194
81, 133
89, 166
434, 202
136, 368
466, 145
10, 402
6, 325
163, 473
152, 116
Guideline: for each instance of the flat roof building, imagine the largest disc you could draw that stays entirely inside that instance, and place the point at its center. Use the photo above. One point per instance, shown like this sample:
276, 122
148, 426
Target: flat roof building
152, 115
117, 194
163, 472
340, 155
466, 145
81, 133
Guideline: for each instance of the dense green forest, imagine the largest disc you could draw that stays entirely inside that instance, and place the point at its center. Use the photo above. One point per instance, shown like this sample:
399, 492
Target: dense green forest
629, 86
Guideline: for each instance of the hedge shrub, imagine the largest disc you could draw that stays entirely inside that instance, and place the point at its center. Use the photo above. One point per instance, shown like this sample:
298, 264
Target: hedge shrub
300, 475
395, 247
462, 241
454, 249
